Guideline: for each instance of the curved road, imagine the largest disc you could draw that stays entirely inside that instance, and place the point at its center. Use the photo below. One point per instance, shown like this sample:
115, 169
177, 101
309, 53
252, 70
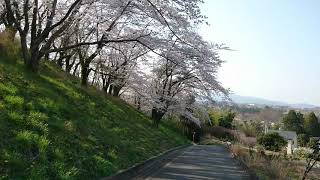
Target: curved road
203, 163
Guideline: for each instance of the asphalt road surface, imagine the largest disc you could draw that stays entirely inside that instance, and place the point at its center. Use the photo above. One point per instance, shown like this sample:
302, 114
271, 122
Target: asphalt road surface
201, 162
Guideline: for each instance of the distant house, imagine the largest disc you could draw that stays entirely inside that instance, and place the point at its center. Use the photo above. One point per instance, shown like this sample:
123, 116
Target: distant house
290, 136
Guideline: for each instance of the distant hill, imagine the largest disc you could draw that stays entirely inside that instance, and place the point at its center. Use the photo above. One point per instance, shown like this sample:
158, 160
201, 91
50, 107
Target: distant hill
260, 101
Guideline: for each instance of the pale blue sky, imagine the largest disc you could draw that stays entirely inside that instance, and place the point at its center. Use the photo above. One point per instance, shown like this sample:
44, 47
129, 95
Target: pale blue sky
277, 45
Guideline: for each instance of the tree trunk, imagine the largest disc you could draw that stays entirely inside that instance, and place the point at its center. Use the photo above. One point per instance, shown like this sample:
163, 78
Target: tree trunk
24, 48
95, 76
34, 60
33, 64
105, 89
106, 83
157, 116
84, 74
68, 64
116, 90
60, 62
110, 89
75, 69
137, 102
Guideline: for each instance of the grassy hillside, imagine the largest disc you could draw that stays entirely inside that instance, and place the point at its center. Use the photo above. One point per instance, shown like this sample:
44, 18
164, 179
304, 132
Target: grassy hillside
51, 128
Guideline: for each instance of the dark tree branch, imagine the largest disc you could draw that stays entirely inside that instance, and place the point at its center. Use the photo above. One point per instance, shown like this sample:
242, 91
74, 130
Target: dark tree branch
66, 16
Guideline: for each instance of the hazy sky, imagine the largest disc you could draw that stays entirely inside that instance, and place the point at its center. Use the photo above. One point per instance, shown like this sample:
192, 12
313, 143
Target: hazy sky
277, 45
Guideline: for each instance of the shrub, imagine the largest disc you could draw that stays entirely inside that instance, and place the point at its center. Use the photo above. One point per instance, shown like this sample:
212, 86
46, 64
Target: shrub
301, 153
214, 116
221, 133
271, 141
223, 119
249, 131
251, 128
260, 149
8, 48
227, 119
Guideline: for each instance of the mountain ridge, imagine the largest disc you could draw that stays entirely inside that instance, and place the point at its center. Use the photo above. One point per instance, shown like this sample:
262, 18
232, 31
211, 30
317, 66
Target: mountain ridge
238, 99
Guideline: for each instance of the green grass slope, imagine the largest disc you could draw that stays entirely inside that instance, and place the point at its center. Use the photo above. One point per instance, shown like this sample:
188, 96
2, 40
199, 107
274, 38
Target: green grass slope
52, 128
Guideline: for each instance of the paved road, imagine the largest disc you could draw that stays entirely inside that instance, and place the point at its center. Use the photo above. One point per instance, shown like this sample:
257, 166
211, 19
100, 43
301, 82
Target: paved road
203, 163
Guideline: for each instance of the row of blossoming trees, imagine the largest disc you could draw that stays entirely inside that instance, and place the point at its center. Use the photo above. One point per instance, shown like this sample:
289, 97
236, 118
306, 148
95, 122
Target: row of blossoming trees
146, 51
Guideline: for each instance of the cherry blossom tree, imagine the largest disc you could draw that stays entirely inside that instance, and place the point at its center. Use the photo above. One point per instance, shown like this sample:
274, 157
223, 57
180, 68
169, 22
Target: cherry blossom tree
105, 41
186, 70
38, 20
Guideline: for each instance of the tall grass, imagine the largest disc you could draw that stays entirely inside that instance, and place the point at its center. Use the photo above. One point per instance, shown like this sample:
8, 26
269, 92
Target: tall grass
266, 167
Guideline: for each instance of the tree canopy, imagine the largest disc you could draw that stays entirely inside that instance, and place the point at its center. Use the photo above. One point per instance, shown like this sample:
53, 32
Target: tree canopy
293, 121
311, 124
271, 141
